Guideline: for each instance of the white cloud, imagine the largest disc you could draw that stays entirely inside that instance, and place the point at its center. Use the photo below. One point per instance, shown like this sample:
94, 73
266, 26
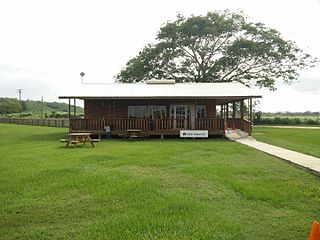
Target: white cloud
46, 44
289, 99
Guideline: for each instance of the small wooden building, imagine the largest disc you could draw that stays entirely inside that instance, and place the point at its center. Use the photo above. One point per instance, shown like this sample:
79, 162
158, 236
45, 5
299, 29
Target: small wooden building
163, 107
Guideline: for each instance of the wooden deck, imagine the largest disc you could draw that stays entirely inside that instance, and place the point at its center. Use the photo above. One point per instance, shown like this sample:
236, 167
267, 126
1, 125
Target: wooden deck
215, 126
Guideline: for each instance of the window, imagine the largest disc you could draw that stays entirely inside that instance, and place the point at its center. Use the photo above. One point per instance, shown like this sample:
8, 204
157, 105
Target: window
137, 111
143, 112
158, 111
201, 111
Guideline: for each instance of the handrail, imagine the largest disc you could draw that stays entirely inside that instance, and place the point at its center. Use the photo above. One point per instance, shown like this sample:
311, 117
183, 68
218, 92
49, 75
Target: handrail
146, 124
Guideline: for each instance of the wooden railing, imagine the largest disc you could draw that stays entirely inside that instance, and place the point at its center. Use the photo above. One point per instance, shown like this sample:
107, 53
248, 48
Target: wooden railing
122, 124
87, 124
238, 123
127, 123
167, 124
209, 124
246, 126
235, 123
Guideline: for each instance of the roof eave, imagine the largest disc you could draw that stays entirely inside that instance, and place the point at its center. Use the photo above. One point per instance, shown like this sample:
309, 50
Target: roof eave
157, 97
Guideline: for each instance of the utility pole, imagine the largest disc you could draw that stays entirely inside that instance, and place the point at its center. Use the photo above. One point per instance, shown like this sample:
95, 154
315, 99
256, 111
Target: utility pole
41, 113
20, 92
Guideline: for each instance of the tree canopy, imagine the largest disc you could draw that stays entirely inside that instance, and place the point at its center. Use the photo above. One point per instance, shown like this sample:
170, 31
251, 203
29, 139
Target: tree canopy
218, 47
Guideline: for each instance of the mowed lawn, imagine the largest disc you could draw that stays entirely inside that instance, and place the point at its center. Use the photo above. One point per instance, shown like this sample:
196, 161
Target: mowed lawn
152, 189
298, 139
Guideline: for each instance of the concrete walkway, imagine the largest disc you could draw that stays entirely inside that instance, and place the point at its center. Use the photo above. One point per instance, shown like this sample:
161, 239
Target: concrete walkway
300, 159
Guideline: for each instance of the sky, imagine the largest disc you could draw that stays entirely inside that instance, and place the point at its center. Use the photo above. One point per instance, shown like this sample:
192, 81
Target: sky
44, 45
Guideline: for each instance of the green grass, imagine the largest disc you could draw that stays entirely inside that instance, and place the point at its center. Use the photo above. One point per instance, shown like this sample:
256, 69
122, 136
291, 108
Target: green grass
302, 140
171, 189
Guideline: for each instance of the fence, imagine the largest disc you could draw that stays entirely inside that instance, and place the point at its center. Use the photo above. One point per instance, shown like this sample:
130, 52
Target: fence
37, 121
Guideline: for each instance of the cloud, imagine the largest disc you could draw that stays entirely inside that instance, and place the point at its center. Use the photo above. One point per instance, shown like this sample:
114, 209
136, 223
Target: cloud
288, 99
34, 84
308, 85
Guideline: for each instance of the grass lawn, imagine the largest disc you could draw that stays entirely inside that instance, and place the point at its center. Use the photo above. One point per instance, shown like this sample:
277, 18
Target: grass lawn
298, 139
170, 189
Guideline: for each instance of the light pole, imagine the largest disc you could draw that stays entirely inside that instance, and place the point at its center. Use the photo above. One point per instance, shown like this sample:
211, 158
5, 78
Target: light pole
41, 109
20, 92
82, 74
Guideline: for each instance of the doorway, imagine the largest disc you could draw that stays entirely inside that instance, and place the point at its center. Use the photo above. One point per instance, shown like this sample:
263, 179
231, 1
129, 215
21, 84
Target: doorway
182, 116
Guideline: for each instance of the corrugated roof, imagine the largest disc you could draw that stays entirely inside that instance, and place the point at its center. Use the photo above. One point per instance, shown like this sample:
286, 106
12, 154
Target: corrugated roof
178, 90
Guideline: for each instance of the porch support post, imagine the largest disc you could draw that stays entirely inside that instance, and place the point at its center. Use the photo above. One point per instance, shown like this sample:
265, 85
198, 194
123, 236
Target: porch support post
74, 108
69, 107
69, 115
241, 109
241, 113
227, 110
250, 115
221, 111
214, 109
234, 115
250, 109
234, 110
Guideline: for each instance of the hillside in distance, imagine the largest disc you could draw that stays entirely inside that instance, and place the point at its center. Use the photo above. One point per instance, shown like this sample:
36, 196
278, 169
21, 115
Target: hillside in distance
12, 106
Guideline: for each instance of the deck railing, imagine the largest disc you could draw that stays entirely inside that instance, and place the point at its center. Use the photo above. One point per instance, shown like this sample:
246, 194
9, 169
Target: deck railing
166, 124
246, 126
122, 124
86, 124
238, 123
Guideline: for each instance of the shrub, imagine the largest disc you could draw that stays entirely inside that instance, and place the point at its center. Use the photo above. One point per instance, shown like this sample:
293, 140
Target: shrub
286, 121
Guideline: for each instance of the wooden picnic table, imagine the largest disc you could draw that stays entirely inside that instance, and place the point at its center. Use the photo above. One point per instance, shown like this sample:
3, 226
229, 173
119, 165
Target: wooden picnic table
133, 133
79, 137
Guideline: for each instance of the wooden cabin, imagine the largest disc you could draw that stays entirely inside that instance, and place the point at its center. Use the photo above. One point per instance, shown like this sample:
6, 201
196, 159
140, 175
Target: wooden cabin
163, 107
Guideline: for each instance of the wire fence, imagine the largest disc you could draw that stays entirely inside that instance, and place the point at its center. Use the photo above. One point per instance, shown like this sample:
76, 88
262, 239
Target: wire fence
37, 121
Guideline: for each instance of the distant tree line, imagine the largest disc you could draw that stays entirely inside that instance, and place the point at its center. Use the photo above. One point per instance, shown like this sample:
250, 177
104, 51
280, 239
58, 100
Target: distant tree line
11, 105
287, 118
294, 114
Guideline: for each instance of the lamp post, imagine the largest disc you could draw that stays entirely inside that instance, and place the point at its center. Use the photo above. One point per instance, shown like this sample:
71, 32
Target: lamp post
82, 74
20, 92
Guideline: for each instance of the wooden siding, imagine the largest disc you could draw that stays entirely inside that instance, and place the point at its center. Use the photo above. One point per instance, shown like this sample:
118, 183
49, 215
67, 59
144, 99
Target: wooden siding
119, 108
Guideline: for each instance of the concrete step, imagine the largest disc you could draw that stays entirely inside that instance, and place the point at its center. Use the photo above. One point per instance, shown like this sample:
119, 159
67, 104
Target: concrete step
235, 134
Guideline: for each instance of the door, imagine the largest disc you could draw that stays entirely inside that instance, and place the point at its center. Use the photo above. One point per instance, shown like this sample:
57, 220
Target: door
181, 115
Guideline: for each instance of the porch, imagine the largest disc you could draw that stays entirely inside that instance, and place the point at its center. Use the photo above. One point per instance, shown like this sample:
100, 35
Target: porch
165, 126
164, 109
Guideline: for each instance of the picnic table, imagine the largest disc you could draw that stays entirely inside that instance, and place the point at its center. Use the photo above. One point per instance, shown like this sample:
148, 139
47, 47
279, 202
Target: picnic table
79, 137
133, 133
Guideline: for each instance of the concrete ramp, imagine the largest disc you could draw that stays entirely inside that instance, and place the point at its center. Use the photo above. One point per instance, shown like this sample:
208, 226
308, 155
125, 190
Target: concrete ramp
236, 134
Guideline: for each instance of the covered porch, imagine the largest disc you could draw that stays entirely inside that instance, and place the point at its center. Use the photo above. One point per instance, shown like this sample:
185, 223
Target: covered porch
213, 115
163, 107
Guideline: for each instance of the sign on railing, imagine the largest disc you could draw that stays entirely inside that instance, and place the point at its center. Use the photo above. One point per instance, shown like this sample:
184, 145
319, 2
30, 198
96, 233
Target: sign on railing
193, 133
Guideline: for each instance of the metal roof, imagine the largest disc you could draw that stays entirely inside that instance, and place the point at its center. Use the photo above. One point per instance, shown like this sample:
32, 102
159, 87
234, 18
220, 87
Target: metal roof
177, 90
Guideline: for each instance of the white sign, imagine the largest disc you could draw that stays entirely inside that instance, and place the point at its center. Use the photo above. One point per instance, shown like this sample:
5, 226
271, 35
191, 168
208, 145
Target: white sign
193, 133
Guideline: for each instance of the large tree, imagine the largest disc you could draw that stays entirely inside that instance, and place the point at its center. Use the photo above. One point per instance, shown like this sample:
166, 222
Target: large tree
218, 47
